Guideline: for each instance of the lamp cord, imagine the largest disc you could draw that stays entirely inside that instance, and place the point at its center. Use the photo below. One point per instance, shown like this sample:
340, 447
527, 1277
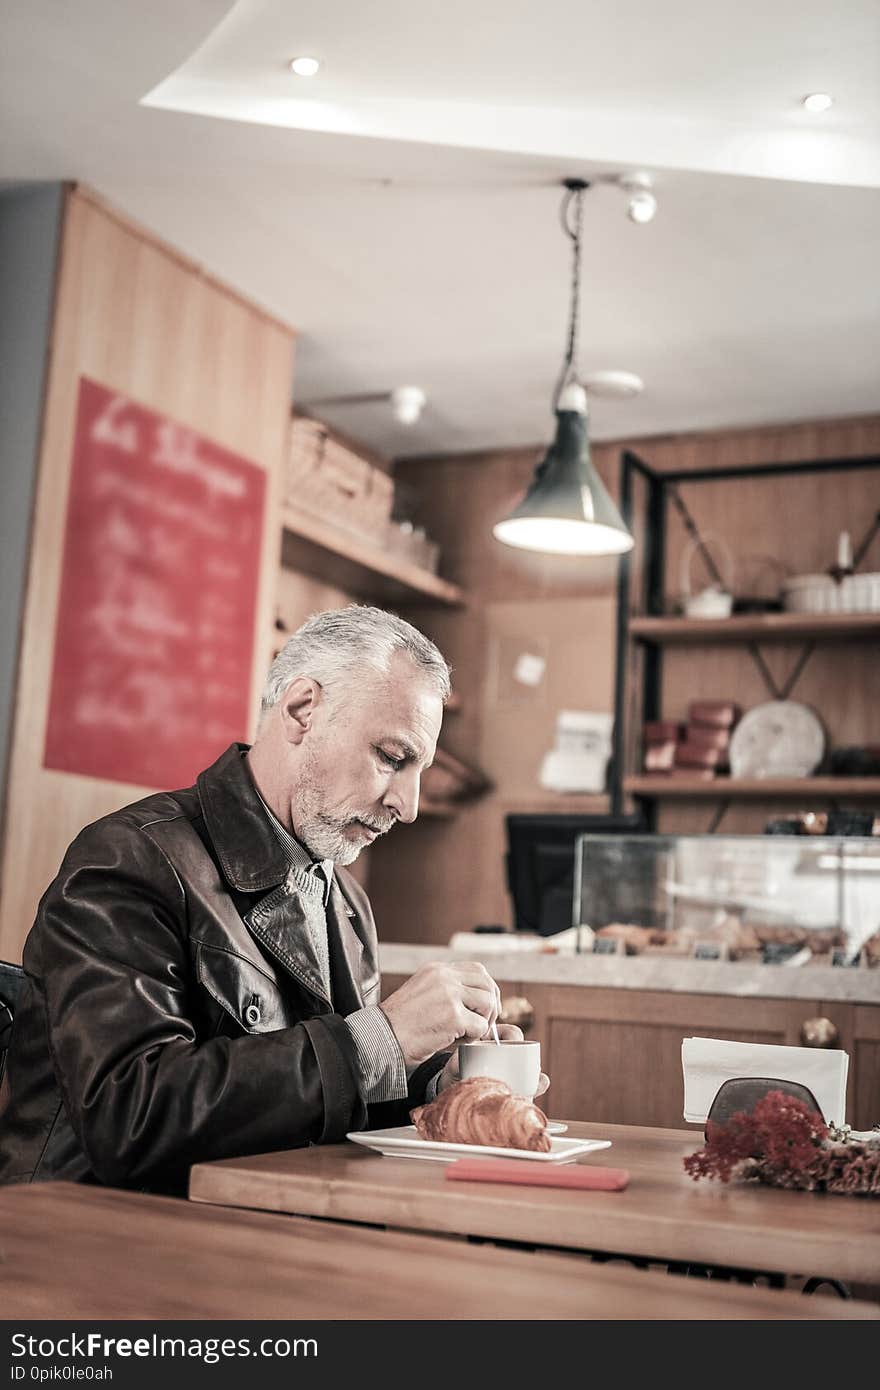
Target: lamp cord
573, 194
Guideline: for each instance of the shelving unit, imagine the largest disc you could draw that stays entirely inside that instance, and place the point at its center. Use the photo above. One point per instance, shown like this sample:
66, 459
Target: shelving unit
763, 627
752, 788
327, 552
654, 631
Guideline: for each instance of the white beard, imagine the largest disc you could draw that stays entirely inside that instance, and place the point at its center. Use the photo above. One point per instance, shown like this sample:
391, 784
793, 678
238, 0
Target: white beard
324, 838
321, 833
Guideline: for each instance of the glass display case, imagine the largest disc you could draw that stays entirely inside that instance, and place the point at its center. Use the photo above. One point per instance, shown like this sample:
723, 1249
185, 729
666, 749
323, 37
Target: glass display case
797, 900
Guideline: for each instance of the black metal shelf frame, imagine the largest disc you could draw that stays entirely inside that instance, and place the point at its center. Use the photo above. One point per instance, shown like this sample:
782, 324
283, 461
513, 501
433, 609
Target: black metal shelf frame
653, 587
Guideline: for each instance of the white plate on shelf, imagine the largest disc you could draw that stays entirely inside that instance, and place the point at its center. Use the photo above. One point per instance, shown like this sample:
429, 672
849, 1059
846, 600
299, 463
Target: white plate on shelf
404, 1142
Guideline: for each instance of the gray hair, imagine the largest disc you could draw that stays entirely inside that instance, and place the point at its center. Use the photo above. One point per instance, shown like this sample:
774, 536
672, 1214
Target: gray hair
335, 647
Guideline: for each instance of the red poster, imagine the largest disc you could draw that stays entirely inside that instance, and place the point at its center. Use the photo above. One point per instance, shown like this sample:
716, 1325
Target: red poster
155, 634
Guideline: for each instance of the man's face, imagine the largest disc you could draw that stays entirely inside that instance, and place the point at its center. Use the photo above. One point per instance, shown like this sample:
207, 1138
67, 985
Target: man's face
362, 762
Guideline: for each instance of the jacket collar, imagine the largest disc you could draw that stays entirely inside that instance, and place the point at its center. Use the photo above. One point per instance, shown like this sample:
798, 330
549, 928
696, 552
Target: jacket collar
253, 860
249, 852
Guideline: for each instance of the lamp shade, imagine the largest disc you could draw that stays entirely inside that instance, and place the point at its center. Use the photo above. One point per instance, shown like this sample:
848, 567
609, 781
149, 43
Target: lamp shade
567, 510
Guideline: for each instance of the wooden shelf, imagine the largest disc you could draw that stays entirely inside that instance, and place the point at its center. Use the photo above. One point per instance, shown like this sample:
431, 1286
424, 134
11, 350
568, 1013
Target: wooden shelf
329, 553
438, 810
759, 627
762, 788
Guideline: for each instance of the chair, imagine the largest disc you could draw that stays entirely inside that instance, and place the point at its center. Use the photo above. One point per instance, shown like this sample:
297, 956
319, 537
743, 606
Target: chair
11, 983
743, 1092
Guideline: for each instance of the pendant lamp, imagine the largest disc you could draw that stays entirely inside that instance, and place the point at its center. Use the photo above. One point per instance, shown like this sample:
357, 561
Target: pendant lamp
567, 510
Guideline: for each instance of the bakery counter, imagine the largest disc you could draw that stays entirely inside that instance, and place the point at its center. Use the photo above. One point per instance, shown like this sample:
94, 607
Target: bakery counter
611, 1027
859, 985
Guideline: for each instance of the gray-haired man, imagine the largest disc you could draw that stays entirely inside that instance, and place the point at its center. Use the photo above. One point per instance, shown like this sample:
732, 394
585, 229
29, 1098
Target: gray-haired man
202, 975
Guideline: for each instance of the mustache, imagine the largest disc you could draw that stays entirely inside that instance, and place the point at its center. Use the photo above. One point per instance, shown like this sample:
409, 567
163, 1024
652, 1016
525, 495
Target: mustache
380, 827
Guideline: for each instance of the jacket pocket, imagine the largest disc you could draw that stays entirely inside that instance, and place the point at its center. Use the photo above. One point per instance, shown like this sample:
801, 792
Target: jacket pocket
249, 996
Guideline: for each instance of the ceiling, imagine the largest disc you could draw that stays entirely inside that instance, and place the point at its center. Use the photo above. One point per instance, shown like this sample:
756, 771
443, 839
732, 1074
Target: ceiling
400, 210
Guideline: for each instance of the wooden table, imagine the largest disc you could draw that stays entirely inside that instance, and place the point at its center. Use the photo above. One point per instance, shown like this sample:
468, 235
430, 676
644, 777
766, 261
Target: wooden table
663, 1214
72, 1252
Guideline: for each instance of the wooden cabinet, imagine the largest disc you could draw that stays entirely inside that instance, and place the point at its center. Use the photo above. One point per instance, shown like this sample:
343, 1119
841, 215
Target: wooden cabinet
614, 1055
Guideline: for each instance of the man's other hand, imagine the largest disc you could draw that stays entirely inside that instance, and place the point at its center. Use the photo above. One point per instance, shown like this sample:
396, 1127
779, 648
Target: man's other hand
442, 1004
507, 1032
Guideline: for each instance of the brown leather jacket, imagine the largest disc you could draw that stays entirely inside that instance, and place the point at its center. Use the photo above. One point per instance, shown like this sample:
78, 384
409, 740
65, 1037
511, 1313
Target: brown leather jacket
172, 1011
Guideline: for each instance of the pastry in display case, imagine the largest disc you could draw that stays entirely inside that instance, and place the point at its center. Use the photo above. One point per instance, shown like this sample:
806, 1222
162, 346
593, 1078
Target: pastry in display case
761, 898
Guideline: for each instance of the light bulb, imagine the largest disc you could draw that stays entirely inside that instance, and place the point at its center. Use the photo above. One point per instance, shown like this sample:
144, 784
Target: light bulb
641, 207
304, 67
573, 397
818, 101
407, 403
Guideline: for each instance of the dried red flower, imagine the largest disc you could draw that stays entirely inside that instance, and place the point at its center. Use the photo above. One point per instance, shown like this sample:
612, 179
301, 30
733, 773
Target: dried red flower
784, 1143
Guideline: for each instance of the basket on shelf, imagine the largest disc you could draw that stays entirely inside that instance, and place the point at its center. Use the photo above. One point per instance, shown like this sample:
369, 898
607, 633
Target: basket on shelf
326, 477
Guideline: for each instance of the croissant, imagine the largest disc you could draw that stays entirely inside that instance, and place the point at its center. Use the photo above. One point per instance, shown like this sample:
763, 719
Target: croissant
482, 1110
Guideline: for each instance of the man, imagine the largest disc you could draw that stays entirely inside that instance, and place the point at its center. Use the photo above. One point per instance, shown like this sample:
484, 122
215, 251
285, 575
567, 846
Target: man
202, 975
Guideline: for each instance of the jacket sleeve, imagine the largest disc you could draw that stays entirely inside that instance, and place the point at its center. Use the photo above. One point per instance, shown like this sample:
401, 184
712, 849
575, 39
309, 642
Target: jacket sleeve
144, 1096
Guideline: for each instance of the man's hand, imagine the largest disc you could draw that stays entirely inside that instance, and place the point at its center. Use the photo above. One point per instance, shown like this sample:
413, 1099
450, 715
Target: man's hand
509, 1031
440, 1005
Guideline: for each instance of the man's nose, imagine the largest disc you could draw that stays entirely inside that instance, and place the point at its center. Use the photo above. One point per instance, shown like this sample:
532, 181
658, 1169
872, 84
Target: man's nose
402, 796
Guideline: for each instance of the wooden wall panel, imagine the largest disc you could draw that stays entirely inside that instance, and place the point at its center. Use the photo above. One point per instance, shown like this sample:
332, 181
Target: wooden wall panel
137, 317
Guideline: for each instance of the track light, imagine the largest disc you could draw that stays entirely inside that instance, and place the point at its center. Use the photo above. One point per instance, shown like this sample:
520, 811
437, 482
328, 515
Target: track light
407, 403
642, 204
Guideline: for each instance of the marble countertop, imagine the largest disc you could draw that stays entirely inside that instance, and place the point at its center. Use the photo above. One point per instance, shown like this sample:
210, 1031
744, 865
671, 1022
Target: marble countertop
820, 982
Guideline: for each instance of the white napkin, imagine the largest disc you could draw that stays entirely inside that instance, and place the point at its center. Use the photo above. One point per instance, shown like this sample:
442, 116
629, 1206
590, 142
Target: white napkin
708, 1062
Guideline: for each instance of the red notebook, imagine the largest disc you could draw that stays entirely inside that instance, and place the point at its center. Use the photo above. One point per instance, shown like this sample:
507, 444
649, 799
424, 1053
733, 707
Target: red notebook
520, 1170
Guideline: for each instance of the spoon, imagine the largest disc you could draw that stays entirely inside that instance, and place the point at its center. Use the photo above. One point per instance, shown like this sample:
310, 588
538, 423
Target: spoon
495, 1034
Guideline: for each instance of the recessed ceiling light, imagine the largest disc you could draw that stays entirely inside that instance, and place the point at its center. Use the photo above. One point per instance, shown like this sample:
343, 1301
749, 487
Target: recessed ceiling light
304, 67
818, 101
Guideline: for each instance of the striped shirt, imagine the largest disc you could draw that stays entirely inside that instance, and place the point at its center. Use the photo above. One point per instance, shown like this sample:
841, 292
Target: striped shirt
383, 1072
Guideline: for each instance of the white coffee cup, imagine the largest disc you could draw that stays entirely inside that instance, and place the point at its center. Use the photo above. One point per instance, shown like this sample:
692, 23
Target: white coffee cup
515, 1061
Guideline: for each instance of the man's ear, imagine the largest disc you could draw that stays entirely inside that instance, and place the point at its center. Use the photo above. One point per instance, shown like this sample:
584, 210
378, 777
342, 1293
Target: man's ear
298, 704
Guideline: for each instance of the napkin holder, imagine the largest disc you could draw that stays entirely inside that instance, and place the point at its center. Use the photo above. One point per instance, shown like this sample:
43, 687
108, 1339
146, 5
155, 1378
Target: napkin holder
743, 1093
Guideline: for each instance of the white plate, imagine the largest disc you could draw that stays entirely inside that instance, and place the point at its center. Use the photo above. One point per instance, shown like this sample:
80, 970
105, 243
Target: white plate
404, 1142
556, 1127
778, 739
